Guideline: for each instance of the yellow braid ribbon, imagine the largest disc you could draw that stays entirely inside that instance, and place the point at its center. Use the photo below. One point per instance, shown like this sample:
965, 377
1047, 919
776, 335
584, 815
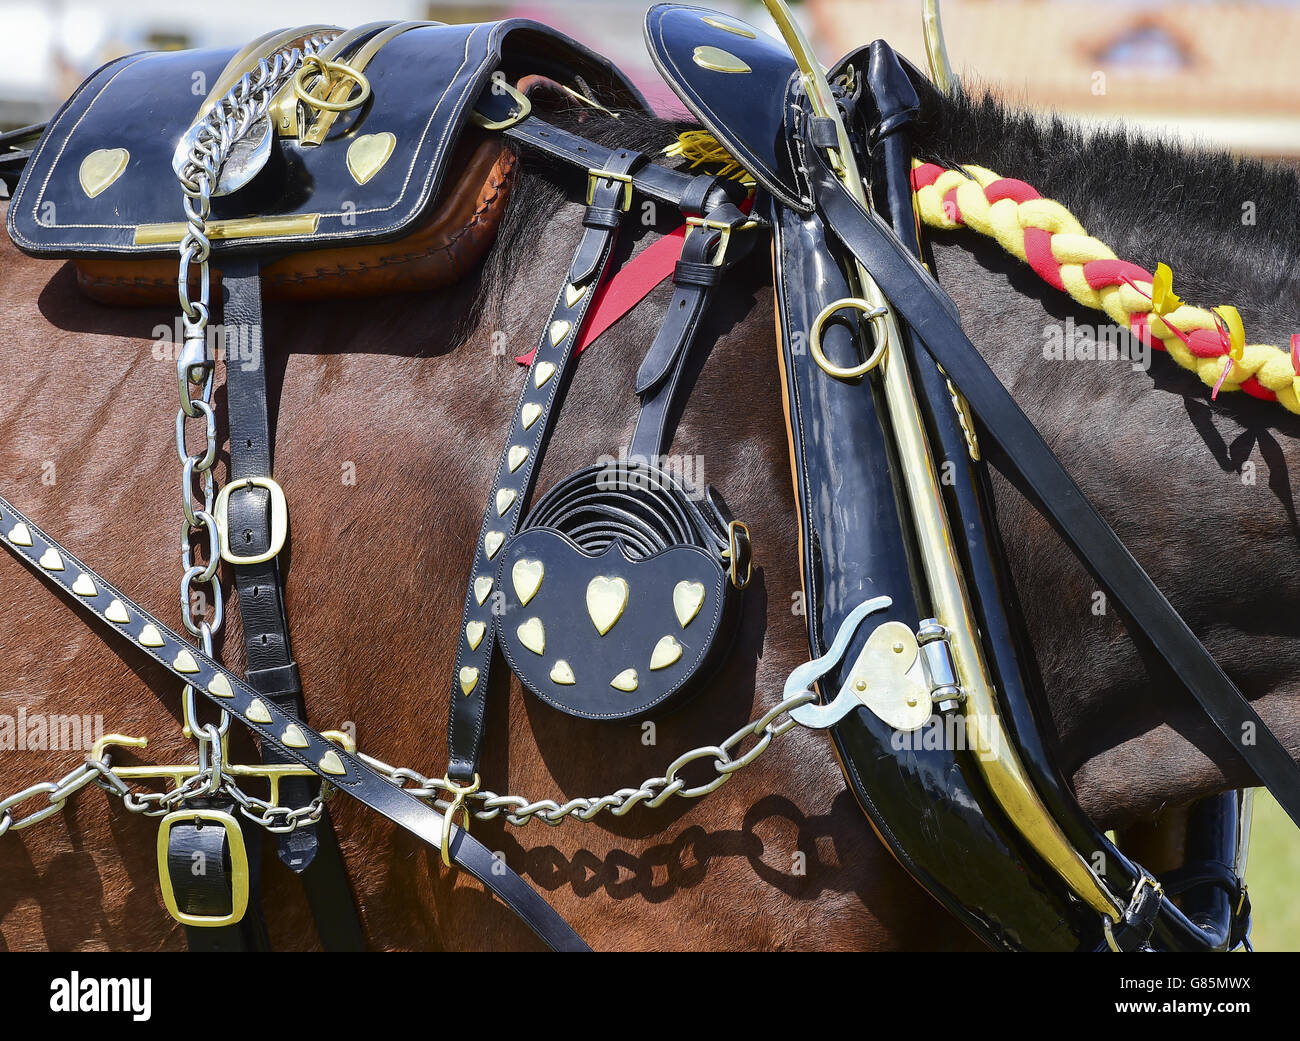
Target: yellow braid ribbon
1168, 317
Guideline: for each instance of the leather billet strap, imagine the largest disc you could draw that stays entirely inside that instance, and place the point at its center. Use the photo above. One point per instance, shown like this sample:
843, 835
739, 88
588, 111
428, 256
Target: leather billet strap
516, 472
923, 304
312, 852
227, 691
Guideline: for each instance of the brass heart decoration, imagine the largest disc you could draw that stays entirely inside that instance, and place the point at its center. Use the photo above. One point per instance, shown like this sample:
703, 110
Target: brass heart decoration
368, 154
101, 168
666, 652
527, 577
532, 634
688, 598
606, 599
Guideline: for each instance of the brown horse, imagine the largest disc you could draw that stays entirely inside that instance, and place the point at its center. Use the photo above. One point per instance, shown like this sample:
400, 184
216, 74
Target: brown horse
391, 416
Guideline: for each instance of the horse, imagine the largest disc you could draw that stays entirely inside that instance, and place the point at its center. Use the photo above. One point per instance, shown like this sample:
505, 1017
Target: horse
389, 417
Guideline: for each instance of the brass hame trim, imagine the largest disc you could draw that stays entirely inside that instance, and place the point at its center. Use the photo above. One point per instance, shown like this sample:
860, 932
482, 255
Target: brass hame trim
235, 228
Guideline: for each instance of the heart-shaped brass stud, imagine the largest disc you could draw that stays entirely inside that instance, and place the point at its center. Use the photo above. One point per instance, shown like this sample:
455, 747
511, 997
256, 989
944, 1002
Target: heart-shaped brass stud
331, 764
558, 331
666, 651
150, 636
516, 456
688, 598
184, 662
468, 678
50, 560
101, 168
84, 586
532, 411
492, 542
368, 154
505, 499
482, 586
474, 632
572, 294
625, 681
293, 737
257, 711
220, 687
562, 674
606, 599
532, 634
116, 612
527, 578
20, 534
542, 371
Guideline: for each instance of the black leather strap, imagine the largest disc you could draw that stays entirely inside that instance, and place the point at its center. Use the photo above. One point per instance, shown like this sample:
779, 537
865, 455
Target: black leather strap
268, 722
207, 888
922, 303
313, 851
516, 472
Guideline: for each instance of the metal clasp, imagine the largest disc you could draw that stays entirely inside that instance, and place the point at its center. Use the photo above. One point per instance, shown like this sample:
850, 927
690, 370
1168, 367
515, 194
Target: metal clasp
595, 176
459, 792
720, 251
734, 554
279, 519
239, 876
881, 330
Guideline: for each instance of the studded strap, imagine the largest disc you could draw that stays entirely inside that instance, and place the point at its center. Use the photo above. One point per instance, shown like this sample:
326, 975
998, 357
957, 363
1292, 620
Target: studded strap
516, 472
294, 739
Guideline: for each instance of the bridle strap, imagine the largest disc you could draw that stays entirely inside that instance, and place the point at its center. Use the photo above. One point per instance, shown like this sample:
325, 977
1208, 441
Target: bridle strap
923, 304
331, 763
312, 851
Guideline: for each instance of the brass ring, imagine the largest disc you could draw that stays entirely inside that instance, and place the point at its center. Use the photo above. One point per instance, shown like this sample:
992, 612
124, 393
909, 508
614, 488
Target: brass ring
875, 314
334, 70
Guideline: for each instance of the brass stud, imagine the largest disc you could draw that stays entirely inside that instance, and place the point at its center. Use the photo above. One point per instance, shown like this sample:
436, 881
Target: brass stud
257, 711
84, 586
468, 678
368, 154
117, 612
562, 674
101, 168
688, 598
572, 294
474, 633
331, 764
666, 652
150, 636
293, 737
542, 371
716, 59
558, 331
492, 543
482, 587
606, 600
625, 680
20, 534
532, 412
505, 499
219, 687
184, 662
50, 560
526, 576
516, 456
532, 634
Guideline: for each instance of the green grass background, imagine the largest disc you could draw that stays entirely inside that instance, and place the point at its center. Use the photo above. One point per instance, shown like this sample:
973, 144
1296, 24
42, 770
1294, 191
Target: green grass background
1272, 870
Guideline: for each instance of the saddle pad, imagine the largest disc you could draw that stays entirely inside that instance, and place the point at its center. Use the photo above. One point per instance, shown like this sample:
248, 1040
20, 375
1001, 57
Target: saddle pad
733, 79
101, 183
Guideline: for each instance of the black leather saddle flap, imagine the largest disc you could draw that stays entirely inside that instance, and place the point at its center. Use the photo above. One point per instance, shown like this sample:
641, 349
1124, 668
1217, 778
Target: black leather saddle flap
733, 78
101, 181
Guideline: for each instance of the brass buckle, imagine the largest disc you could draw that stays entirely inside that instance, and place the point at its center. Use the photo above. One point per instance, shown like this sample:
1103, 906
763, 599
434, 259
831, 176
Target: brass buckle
521, 113
875, 314
732, 554
595, 176
720, 251
457, 803
331, 72
279, 519
239, 879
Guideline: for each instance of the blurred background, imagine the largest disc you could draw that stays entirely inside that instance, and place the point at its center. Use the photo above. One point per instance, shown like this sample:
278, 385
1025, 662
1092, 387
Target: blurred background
1218, 73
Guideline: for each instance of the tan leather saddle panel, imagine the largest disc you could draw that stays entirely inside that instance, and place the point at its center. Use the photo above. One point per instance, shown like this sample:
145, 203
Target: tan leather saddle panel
438, 253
